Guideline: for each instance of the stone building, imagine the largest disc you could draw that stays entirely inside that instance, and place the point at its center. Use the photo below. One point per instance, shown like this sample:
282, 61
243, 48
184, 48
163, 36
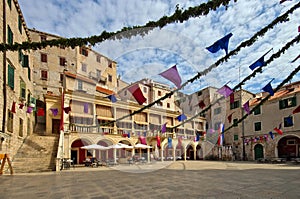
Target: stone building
277, 112
17, 101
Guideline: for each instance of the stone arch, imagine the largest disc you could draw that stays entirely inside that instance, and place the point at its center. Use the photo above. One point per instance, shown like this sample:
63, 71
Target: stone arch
288, 146
78, 155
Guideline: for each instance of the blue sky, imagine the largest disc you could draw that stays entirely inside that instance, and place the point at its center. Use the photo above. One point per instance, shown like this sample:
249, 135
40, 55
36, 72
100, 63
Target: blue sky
180, 43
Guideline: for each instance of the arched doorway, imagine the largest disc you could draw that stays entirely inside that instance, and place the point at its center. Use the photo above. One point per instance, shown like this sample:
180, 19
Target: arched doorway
288, 147
258, 151
199, 153
78, 154
190, 152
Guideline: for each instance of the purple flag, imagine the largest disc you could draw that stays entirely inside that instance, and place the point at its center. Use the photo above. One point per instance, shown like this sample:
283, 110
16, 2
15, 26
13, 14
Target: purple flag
54, 111
172, 75
246, 107
225, 90
220, 44
29, 109
268, 88
85, 107
164, 128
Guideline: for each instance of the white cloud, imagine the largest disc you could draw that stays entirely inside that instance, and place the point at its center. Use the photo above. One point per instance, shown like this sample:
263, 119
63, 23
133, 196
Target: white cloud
182, 43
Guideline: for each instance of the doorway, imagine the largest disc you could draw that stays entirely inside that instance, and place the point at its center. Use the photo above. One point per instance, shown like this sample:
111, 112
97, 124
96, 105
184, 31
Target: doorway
55, 126
258, 151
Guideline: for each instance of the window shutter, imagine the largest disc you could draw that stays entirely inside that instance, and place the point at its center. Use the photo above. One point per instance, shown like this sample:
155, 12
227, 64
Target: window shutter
29, 73
33, 101
11, 77
25, 61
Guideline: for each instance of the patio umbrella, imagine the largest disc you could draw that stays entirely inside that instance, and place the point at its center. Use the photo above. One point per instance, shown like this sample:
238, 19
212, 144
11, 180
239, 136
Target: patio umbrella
119, 146
95, 147
142, 146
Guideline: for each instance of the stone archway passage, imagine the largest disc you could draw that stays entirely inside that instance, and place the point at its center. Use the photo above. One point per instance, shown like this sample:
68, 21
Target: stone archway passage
258, 151
288, 147
77, 153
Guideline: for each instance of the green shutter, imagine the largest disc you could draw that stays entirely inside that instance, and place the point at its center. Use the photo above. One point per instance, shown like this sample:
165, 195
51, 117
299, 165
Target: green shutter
11, 77
22, 89
9, 3
294, 101
10, 36
20, 24
29, 73
25, 61
281, 104
33, 101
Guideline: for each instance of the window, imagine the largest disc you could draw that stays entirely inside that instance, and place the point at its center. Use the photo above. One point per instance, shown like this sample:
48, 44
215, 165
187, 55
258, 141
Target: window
10, 121
43, 37
43, 57
98, 59
110, 65
217, 110
168, 105
44, 75
21, 128
110, 78
20, 24
84, 51
159, 104
257, 126
145, 89
288, 121
62, 61
235, 122
98, 73
235, 137
287, 103
22, 89
159, 93
10, 36
25, 61
20, 55
11, 77
9, 3
257, 111
61, 77
80, 85
29, 73
83, 67
291, 142
235, 104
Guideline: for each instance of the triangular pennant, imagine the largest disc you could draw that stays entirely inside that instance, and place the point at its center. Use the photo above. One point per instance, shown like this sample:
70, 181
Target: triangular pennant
246, 107
137, 94
13, 107
259, 62
297, 110
172, 75
112, 98
40, 112
54, 111
181, 117
21, 106
280, 132
271, 135
164, 128
201, 104
229, 117
268, 88
157, 140
169, 142
29, 109
220, 44
225, 91
67, 110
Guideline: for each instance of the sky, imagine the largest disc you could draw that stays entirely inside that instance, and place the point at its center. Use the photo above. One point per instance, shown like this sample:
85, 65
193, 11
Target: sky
181, 44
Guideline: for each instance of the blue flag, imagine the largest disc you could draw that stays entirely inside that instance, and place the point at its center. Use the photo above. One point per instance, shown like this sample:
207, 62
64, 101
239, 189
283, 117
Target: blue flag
259, 62
271, 135
181, 117
112, 98
169, 142
220, 44
268, 88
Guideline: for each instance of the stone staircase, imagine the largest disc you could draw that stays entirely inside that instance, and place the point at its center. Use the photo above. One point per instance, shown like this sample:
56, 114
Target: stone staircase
37, 154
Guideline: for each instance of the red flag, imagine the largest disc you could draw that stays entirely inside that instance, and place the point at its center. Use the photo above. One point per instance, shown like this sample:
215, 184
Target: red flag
297, 110
21, 106
13, 107
231, 98
201, 104
280, 132
158, 140
67, 109
137, 94
230, 117
40, 112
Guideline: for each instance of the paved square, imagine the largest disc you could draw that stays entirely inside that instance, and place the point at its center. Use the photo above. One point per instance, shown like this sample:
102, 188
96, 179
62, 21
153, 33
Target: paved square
191, 179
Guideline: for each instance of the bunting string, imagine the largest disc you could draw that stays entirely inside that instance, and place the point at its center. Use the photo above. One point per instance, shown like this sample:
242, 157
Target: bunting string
246, 43
178, 16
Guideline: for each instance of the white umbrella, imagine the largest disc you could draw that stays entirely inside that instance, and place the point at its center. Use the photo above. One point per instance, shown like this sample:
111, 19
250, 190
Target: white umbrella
142, 146
95, 147
120, 146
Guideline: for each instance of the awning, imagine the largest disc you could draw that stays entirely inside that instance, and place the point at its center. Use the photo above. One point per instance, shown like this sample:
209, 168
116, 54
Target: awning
72, 114
141, 123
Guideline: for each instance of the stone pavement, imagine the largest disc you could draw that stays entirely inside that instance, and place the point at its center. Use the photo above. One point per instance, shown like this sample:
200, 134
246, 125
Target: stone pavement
190, 179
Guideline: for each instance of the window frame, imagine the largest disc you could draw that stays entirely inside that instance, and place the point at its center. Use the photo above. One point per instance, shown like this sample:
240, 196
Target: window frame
10, 36
44, 74
235, 104
110, 78
62, 61
256, 127
284, 103
44, 58
79, 85
11, 76
285, 122
83, 67
257, 111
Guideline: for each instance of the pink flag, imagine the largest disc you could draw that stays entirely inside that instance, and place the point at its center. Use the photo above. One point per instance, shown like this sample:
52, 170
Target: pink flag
246, 107
225, 90
172, 75
137, 94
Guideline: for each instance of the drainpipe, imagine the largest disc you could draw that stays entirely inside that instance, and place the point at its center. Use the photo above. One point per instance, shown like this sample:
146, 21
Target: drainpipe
4, 69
